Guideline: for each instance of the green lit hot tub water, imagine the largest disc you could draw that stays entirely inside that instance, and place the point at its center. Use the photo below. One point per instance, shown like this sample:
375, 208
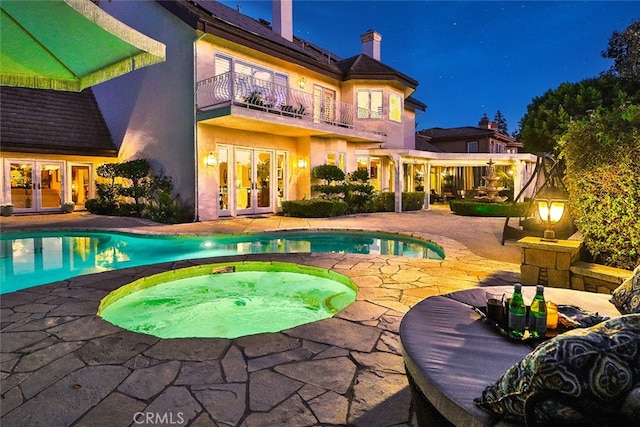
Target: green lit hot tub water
228, 300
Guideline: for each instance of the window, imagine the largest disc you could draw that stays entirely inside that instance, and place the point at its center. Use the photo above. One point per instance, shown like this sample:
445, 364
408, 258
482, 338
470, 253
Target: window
249, 78
369, 104
472, 147
395, 107
334, 158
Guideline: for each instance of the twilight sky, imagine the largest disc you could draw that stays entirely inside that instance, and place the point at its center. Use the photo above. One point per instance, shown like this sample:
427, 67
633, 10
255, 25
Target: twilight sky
470, 57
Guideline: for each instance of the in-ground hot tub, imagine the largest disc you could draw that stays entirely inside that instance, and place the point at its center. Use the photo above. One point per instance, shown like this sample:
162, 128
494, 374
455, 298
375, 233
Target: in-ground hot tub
228, 300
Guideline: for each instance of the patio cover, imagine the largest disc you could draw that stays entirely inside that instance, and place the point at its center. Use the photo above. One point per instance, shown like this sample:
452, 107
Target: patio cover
68, 45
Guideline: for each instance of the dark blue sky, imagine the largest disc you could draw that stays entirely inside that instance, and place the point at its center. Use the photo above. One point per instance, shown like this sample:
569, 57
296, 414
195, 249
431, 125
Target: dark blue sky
470, 57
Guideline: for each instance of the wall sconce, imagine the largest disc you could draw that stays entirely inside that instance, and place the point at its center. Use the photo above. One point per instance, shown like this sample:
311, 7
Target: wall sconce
210, 160
551, 205
302, 163
302, 82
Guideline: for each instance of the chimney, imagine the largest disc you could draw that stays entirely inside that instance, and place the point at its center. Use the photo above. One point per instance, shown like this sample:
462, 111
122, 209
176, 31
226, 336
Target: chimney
484, 122
283, 18
371, 44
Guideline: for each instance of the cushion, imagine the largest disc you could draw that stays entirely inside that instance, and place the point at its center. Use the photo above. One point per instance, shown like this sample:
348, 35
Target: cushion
594, 367
626, 297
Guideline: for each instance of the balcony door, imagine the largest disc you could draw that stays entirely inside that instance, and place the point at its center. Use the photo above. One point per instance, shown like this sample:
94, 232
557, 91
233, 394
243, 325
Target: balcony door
36, 186
254, 189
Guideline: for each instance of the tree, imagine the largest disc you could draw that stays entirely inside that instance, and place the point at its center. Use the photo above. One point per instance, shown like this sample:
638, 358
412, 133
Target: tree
548, 116
602, 155
501, 121
624, 49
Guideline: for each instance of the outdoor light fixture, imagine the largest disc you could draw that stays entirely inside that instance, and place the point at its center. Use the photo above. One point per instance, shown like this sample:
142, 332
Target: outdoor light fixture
551, 203
302, 82
302, 163
210, 159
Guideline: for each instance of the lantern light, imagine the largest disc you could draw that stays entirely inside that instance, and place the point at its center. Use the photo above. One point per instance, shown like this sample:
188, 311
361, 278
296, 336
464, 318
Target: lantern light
210, 159
302, 163
551, 206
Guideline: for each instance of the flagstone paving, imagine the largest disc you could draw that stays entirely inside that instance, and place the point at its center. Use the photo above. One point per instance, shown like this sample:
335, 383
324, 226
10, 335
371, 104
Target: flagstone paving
62, 365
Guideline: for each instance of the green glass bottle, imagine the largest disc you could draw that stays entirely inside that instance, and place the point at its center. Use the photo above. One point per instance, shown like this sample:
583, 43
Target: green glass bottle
517, 313
538, 314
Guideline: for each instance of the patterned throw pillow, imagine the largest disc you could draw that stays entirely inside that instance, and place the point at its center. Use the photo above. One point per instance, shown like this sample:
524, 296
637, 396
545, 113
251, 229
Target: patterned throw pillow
595, 367
626, 297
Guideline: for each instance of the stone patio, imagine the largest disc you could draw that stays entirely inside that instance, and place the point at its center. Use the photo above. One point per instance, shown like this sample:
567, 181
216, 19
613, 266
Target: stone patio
62, 365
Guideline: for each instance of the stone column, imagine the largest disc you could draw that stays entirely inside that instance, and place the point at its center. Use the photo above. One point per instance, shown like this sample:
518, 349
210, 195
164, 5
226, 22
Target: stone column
547, 263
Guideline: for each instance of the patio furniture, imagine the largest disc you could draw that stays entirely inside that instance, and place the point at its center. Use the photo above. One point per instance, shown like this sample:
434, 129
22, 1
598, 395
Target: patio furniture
451, 355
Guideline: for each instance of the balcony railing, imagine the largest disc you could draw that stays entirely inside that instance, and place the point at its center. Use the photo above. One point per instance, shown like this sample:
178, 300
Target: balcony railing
244, 90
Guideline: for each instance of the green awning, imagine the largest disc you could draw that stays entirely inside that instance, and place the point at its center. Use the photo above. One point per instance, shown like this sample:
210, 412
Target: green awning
68, 45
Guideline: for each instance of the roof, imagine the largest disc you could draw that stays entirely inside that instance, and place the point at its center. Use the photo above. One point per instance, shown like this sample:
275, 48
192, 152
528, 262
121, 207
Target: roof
365, 67
217, 19
456, 133
437, 134
423, 143
55, 122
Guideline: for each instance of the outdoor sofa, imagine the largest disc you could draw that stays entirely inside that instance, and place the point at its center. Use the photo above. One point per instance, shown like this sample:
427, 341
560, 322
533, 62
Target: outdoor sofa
462, 371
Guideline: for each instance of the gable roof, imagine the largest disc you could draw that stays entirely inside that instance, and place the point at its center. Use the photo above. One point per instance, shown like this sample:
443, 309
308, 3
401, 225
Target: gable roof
365, 67
220, 20
53, 122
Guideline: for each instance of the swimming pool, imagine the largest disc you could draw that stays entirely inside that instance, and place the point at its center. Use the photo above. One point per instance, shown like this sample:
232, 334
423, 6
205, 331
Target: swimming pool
32, 259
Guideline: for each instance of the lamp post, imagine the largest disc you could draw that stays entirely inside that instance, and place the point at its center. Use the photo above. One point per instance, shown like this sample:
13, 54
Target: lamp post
551, 205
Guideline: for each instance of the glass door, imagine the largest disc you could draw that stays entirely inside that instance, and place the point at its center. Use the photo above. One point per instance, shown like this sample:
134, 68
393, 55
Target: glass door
36, 185
254, 181
80, 179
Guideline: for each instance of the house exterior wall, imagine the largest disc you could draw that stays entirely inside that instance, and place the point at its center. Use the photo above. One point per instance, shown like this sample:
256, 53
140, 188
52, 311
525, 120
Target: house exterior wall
150, 112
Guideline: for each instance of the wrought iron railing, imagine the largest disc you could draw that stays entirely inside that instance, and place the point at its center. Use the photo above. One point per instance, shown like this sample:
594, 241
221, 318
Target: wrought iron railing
244, 90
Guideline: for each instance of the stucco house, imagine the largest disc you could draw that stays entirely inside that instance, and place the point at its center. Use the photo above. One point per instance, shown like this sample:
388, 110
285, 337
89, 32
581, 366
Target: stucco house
484, 138
241, 112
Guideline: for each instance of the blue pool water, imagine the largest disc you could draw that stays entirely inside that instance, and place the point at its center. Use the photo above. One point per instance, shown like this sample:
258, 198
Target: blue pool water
32, 259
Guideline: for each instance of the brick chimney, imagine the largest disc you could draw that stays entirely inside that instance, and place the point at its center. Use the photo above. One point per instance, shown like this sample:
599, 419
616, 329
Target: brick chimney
371, 44
485, 123
282, 17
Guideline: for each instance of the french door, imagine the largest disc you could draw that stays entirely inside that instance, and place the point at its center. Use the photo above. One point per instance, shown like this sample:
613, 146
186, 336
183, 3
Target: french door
36, 186
254, 179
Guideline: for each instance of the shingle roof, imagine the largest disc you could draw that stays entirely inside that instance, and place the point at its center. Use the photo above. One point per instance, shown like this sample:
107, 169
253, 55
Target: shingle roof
364, 67
423, 143
216, 18
455, 133
56, 122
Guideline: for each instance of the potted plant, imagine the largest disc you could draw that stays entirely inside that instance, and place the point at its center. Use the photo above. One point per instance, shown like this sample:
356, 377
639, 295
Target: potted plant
6, 209
68, 207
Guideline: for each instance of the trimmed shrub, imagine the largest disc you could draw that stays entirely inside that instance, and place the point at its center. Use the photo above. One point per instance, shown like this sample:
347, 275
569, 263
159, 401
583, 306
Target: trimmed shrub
314, 208
386, 201
383, 202
413, 201
359, 192
473, 208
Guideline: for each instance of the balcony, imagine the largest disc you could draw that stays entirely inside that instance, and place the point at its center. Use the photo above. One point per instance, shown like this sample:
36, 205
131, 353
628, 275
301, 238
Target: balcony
231, 93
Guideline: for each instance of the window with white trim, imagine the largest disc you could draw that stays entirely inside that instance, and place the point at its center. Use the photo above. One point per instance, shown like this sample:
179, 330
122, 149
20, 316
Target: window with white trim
472, 147
369, 104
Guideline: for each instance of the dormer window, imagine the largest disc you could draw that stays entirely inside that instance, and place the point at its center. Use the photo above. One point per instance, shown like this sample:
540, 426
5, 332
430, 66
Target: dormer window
369, 104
